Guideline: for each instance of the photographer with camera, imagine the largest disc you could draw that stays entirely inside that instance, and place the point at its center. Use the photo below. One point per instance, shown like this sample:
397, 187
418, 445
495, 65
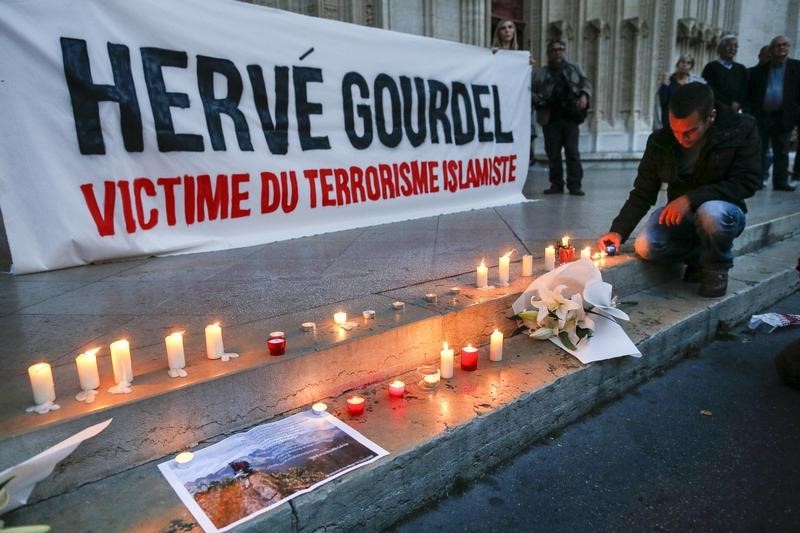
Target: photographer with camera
561, 97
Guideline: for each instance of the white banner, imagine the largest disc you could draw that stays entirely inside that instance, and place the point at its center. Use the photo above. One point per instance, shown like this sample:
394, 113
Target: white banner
144, 127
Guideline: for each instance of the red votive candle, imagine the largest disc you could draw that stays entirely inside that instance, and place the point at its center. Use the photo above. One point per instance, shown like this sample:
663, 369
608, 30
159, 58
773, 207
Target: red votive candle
469, 358
397, 388
355, 406
566, 254
277, 346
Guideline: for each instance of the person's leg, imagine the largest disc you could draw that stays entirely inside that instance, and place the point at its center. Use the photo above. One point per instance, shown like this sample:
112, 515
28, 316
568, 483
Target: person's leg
667, 244
718, 223
780, 158
573, 156
766, 152
552, 147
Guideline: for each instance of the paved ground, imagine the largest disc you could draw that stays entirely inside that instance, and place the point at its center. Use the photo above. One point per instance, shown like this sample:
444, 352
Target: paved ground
652, 462
54, 315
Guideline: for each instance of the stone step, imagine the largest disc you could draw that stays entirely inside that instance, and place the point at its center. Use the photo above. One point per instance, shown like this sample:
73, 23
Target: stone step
456, 433
163, 415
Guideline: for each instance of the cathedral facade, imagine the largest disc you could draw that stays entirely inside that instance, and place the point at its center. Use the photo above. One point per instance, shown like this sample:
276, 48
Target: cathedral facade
624, 46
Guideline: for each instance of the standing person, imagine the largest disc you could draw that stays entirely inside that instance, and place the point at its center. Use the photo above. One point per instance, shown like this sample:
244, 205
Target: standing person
681, 76
561, 95
774, 99
710, 161
766, 161
505, 38
727, 78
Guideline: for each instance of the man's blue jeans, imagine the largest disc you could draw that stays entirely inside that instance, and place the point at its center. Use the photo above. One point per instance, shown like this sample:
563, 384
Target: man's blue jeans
704, 237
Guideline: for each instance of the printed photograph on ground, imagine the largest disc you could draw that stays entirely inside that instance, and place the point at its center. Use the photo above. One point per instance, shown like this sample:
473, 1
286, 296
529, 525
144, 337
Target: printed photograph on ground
253, 472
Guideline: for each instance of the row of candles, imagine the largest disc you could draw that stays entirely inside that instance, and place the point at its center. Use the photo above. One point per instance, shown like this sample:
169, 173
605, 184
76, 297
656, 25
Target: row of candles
565, 253
43, 385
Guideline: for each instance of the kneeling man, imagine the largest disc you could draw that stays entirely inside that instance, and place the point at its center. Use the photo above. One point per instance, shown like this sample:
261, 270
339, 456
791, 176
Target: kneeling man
711, 163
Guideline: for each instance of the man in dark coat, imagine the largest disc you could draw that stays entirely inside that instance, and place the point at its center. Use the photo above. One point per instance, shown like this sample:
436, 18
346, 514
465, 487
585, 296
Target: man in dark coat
774, 99
561, 95
710, 161
726, 77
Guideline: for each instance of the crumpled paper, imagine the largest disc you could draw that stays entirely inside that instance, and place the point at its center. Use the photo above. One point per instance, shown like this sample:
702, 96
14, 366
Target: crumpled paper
609, 339
28, 473
769, 322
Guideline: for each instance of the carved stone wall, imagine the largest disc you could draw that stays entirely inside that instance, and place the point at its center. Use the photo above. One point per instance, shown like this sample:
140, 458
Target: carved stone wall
624, 46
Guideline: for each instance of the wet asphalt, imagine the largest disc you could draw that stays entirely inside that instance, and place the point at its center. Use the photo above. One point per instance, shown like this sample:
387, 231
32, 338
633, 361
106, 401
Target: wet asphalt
711, 444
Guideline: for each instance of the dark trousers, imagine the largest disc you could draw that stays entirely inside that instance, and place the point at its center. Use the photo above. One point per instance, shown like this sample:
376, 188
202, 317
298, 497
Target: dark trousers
563, 134
773, 134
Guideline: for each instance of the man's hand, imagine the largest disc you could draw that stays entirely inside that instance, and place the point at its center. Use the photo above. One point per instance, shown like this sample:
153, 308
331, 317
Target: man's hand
613, 237
583, 101
674, 211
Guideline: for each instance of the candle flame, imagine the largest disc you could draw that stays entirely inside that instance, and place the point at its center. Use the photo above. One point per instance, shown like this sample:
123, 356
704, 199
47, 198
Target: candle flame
483, 262
177, 334
508, 254
444, 345
93, 351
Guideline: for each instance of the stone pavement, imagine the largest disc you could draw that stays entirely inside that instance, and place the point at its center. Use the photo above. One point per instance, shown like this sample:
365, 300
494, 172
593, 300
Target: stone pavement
652, 461
252, 291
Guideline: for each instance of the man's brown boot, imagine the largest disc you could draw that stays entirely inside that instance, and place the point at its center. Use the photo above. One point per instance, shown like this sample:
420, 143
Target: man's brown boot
713, 283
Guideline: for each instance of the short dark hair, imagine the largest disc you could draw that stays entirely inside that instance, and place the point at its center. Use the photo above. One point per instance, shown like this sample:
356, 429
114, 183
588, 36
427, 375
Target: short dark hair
695, 96
554, 42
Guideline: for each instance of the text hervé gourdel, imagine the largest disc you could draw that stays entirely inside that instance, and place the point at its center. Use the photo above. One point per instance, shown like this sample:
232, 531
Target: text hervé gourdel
383, 111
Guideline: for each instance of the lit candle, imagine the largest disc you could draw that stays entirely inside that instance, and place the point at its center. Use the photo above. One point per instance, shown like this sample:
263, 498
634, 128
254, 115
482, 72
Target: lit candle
549, 258
87, 370
277, 346
397, 388
565, 241
527, 265
496, 346
430, 297
340, 318
183, 459
355, 406
586, 253
502, 268
566, 254
41, 376
175, 356
214, 348
308, 326
455, 291
121, 361
431, 379
277, 335
368, 314
398, 305
469, 358
482, 280
319, 408
446, 362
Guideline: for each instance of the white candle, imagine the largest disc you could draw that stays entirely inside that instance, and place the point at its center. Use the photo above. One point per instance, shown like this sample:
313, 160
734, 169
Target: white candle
550, 258
565, 241
41, 376
175, 355
502, 268
184, 459
586, 253
87, 370
482, 275
319, 408
214, 346
496, 346
527, 265
340, 318
446, 362
398, 305
397, 388
121, 361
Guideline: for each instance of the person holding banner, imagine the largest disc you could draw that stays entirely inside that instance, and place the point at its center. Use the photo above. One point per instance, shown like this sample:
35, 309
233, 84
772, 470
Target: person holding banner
505, 38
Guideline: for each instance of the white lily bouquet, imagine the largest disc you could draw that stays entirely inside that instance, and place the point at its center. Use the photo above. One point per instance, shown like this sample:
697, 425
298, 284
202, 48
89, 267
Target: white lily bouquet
558, 316
572, 307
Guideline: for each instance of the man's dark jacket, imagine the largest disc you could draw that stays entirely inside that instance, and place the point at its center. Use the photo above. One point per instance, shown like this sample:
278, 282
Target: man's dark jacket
728, 168
757, 87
